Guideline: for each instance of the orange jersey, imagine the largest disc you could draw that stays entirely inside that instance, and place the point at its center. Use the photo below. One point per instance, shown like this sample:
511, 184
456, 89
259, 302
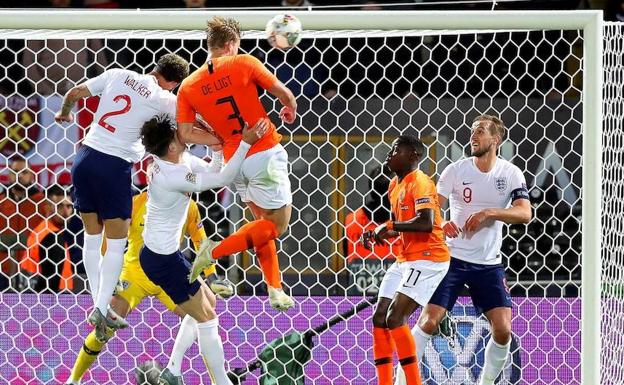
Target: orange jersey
224, 92
356, 224
417, 191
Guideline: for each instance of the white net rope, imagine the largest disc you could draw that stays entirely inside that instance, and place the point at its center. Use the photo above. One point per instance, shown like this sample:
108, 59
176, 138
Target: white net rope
612, 325
357, 91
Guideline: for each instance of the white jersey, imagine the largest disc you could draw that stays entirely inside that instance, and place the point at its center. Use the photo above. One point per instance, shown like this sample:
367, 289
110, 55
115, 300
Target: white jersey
168, 194
127, 100
469, 190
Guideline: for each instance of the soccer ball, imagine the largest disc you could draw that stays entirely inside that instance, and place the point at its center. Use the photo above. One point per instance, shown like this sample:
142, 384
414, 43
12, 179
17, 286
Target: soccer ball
284, 31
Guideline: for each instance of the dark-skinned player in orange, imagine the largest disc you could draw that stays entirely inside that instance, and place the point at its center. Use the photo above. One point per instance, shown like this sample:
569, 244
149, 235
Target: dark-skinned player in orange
224, 92
419, 268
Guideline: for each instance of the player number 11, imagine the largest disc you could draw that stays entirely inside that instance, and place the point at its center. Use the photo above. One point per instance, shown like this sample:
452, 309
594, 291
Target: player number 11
412, 281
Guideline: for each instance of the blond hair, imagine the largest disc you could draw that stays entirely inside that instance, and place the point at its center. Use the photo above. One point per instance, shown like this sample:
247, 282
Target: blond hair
222, 30
496, 127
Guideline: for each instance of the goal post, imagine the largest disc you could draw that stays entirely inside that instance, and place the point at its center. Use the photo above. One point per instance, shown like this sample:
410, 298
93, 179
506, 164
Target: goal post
323, 27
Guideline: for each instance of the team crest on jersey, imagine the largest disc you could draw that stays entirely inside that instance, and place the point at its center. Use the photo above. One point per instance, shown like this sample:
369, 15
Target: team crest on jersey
402, 204
501, 184
191, 178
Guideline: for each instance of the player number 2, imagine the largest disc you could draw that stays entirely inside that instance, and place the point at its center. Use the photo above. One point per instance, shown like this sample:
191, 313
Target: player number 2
102, 122
413, 277
467, 195
235, 114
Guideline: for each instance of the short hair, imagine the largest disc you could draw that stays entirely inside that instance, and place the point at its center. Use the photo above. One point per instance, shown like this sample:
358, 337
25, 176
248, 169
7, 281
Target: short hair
221, 30
17, 158
156, 135
496, 127
409, 140
172, 67
55, 190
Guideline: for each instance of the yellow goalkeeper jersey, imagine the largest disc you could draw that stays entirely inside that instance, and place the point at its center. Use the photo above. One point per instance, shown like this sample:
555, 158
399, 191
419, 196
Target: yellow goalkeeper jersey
193, 228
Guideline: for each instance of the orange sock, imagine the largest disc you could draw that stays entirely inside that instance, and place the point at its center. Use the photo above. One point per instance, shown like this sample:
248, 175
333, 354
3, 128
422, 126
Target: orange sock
406, 350
269, 264
253, 234
383, 347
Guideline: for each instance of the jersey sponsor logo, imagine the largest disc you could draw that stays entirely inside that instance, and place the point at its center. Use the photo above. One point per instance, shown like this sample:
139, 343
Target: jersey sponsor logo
466, 183
501, 184
191, 177
421, 201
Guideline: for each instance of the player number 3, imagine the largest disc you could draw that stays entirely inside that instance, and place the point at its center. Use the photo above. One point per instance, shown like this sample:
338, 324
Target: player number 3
235, 114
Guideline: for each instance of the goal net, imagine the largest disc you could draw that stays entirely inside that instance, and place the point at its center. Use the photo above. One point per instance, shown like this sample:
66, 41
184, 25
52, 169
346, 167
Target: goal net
358, 88
612, 325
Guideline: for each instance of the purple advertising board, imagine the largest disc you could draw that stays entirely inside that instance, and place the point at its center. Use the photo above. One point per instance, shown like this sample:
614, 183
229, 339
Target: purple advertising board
40, 336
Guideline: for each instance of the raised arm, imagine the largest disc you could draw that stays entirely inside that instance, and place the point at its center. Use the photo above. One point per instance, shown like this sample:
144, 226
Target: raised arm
288, 113
69, 100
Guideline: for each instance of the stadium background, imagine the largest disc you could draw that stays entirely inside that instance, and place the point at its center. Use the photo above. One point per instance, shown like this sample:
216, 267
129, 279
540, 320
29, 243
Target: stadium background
347, 122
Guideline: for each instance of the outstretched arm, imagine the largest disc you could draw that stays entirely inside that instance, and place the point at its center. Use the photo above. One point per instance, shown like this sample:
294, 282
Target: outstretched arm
69, 100
288, 113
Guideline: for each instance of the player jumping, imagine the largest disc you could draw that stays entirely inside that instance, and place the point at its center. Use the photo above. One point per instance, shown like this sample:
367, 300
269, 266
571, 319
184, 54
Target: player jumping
224, 92
101, 173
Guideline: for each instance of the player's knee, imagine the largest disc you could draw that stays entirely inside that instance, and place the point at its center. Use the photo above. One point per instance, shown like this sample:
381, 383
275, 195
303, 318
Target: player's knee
428, 324
501, 332
379, 319
394, 319
282, 228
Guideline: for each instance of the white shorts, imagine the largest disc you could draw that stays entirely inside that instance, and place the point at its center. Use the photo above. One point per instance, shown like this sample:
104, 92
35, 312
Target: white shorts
263, 179
416, 279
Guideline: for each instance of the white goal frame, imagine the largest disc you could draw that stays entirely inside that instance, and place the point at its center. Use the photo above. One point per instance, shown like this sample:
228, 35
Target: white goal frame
590, 22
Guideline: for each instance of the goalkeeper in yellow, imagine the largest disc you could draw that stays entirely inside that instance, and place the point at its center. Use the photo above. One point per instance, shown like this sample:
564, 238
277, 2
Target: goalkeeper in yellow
134, 286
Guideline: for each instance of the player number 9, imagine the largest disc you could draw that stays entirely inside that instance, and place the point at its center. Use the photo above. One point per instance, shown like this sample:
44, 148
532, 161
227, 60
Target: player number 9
467, 195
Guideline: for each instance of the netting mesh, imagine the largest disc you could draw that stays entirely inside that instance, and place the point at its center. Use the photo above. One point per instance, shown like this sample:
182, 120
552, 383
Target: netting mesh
357, 91
612, 325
